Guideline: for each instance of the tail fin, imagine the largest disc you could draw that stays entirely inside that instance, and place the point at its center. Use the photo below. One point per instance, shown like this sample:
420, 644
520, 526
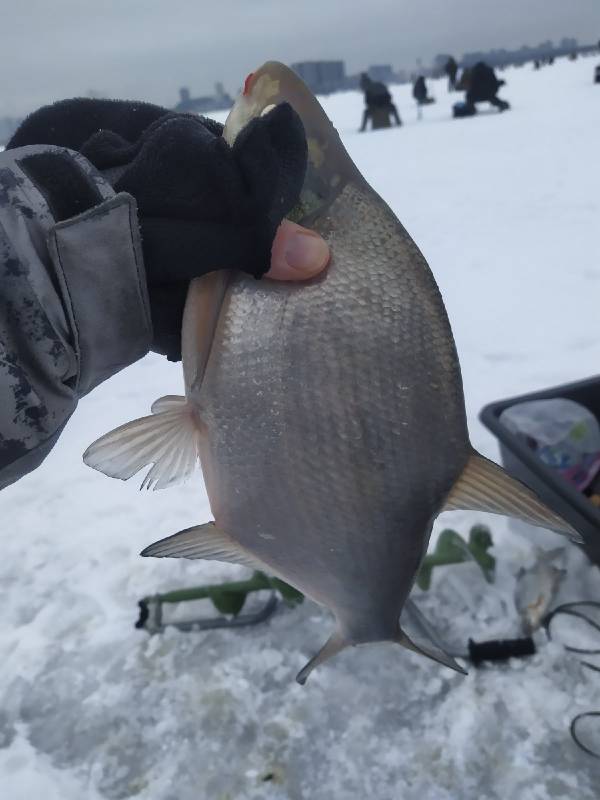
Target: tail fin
434, 653
484, 486
429, 643
168, 439
433, 649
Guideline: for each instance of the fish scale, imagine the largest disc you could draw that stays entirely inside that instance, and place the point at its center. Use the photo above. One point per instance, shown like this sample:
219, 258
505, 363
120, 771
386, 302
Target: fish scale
321, 411
328, 416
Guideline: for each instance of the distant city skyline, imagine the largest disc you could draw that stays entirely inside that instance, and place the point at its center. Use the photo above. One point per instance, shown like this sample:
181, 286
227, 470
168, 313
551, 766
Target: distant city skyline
148, 49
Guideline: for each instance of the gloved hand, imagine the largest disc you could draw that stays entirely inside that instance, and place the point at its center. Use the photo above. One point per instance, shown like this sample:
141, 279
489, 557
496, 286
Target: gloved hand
202, 205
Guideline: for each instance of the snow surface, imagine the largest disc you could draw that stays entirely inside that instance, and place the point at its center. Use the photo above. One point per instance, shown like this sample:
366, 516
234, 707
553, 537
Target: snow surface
505, 207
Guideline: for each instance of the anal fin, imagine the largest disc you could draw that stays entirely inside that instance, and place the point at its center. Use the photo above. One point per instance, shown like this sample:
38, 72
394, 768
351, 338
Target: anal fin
485, 486
205, 541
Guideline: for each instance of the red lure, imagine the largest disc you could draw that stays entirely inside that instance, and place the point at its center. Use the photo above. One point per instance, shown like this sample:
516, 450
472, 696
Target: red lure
247, 84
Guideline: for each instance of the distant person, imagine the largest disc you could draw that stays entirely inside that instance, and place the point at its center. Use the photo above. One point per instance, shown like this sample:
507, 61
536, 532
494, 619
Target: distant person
597, 74
451, 69
420, 94
536, 64
463, 82
483, 87
379, 108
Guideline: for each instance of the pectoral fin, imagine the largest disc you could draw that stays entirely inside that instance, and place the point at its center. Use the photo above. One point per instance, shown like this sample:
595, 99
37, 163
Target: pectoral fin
168, 439
204, 541
484, 486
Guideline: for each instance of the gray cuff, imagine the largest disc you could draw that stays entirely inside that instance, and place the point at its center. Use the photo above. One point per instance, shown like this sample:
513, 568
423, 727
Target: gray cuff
98, 260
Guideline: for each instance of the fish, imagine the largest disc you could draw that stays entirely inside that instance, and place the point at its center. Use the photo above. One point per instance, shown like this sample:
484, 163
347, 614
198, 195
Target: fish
537, 586
328, 416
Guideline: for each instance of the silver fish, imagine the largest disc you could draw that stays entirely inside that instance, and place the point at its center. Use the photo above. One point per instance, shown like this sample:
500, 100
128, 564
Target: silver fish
537, 586
328, 416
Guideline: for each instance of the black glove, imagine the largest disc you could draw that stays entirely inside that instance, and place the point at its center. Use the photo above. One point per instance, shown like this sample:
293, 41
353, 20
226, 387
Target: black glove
70, 123
202, 204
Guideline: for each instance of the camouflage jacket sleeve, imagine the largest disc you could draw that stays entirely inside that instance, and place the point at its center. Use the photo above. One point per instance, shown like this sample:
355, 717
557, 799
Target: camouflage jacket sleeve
73, 304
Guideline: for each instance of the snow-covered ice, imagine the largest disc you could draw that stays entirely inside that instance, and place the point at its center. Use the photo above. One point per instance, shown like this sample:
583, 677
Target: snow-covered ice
505, 207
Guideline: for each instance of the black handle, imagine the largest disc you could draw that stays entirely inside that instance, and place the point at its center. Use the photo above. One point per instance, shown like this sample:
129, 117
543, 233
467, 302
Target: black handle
500, 649
144, 614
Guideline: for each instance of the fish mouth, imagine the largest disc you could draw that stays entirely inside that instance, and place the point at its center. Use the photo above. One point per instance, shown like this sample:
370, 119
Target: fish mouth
329, 166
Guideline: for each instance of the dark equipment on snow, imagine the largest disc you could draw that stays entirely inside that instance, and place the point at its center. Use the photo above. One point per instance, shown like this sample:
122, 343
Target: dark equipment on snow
522, 462
463, 110
500, 650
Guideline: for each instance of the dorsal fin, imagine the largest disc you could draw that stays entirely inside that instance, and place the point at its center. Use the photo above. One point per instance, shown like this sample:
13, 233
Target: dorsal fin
484, 486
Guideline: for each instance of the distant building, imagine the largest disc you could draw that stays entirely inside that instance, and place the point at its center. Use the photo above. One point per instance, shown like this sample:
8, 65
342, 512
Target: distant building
200, 105
322, 77
382, 72
542, 52
568, 44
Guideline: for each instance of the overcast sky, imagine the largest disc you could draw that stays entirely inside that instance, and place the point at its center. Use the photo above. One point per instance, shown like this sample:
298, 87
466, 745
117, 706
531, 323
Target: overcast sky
147, 49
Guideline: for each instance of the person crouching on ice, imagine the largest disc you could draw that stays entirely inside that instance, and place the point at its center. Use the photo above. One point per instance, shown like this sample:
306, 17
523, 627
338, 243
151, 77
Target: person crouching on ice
379, 109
